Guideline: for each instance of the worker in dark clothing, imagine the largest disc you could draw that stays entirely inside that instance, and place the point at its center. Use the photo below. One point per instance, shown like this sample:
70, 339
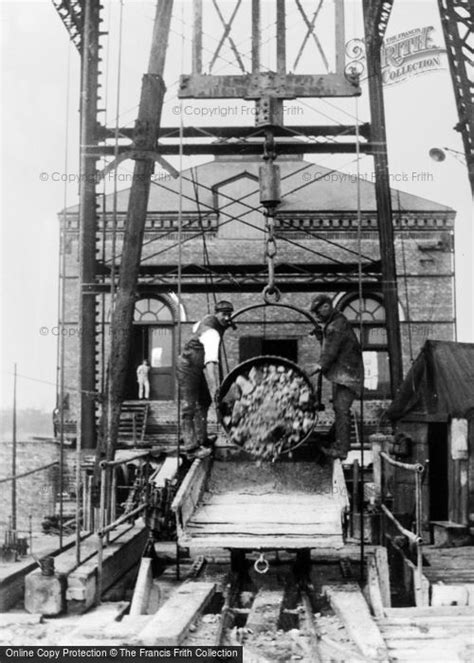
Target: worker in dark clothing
341, 363
198, 377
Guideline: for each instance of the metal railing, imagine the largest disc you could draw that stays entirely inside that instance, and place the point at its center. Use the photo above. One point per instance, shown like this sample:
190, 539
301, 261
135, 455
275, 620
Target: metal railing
108, 520
414, 538
12, 542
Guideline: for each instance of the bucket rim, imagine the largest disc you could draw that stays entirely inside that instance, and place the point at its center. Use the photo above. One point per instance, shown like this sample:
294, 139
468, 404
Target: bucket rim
265, 359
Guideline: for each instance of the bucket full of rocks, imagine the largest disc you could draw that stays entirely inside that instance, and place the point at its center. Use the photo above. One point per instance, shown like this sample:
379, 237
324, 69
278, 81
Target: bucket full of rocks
267, 406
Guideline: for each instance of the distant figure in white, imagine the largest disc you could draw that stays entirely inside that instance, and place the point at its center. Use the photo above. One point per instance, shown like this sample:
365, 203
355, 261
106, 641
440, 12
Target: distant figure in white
143, 381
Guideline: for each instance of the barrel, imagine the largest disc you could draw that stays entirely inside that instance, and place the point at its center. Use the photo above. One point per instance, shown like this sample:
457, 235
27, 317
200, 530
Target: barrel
267, 406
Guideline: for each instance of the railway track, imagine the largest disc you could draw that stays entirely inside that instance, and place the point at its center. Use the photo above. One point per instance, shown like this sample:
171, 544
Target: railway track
280, 615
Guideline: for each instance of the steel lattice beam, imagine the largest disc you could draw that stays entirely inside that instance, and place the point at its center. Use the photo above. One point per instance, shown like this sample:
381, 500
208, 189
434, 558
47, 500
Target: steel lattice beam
72, 15
376, 20
376, 15
457, 19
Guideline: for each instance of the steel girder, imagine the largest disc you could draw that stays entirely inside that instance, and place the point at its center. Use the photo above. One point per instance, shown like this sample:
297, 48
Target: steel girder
457, 19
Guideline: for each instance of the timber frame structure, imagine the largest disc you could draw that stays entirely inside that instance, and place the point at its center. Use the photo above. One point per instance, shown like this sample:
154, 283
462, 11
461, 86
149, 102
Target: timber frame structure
150, 142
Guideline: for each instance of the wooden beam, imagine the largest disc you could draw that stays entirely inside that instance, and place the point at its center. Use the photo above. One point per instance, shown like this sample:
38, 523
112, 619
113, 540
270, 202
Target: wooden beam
171, 623
350, 606
381, 561
141, 592
373, 587
118, 558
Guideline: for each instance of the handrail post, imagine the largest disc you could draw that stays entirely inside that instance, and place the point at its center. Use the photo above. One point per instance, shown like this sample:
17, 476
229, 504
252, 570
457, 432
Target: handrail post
113, 495
100, 562
414, 539
378, 443
419, 556
103, 479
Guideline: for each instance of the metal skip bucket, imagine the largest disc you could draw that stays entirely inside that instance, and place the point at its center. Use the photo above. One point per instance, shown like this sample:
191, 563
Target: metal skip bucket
267, 406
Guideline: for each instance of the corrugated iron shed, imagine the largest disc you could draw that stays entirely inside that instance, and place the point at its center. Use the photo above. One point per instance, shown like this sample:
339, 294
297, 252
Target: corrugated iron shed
439, 385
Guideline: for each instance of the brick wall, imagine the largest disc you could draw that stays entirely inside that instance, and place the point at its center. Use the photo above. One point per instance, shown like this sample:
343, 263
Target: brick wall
423, 246
36, 493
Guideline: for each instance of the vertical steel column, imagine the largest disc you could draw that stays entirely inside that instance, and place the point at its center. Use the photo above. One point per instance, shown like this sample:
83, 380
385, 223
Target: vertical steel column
373, 42
87, 224
280, 37
255, 36
340, 30
197, 37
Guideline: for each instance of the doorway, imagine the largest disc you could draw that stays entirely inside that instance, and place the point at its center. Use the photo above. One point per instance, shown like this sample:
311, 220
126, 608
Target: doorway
438, 470
253, 346
153, 339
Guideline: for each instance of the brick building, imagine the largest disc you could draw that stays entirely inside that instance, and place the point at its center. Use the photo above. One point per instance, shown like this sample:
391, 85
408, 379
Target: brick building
222, 254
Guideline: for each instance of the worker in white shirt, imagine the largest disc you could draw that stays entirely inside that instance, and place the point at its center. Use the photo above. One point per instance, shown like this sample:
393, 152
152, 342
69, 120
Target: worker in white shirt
143, 380
198, 377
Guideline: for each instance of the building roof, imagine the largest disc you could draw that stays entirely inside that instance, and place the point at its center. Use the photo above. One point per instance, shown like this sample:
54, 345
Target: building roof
305, 187
439, 385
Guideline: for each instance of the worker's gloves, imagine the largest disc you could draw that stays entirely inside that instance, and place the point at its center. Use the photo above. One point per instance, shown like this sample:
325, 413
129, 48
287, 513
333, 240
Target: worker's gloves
318, 332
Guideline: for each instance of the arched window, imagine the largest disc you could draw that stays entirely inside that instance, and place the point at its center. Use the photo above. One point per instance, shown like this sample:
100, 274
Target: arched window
374, 341
152, 310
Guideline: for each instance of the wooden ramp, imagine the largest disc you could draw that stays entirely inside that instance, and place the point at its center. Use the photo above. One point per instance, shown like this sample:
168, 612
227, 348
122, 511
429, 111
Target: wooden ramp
271, 505
443, 634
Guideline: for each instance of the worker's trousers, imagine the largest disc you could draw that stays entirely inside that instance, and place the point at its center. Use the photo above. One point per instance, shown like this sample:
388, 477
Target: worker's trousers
195, 397
143, 388
342, 399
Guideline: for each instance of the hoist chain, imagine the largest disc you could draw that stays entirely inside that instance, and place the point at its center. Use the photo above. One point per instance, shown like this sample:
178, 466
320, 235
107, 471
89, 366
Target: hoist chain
271, 290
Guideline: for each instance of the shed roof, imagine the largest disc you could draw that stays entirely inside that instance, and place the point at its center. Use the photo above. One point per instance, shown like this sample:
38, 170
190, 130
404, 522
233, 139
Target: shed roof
439, 385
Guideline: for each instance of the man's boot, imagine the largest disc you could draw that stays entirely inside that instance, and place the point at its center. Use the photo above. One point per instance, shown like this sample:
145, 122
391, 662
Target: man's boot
188, 434
200, 426
190, 445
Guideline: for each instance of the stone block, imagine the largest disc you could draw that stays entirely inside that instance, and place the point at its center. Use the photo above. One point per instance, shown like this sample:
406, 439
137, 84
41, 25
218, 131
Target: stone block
45, 595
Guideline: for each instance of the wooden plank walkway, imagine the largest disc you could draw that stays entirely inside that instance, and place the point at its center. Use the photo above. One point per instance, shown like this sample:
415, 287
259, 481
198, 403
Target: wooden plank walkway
429, 634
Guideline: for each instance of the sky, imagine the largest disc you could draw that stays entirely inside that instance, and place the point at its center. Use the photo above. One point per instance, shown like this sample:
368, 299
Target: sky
39, 134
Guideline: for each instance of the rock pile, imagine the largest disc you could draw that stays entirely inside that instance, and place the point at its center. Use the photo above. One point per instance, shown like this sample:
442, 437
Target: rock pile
268, 409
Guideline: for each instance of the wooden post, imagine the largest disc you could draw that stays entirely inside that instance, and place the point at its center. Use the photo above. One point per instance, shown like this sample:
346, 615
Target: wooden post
379, 443
355, 495
145, 140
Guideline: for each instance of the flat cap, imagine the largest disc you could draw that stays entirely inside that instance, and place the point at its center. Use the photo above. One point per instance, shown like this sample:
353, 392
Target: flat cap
223, 306
318, 301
